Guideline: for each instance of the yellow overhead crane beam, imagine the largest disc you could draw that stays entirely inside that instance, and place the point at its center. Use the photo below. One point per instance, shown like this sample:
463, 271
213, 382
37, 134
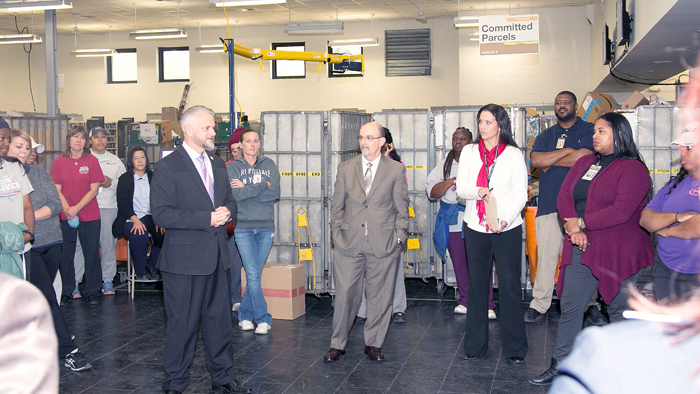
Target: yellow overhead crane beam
271, 54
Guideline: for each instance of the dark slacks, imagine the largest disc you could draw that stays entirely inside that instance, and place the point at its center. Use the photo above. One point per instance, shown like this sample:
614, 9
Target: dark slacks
45, 261
189, 298
579, 287
89, 233
236, 265
506, 249
671, 286
138, 244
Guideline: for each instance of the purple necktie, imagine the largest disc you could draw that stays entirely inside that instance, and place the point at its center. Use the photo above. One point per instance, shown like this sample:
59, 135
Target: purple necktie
208, 181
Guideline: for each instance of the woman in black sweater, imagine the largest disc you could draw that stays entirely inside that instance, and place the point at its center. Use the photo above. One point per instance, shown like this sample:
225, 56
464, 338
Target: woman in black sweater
134, 219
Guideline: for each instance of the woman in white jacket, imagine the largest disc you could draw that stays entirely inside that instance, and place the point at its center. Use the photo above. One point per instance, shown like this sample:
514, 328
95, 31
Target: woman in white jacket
492, 171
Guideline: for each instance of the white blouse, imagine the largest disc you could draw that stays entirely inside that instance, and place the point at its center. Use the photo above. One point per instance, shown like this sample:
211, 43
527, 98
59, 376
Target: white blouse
508, 181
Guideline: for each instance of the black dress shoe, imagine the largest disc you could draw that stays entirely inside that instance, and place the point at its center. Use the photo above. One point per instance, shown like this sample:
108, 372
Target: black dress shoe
65, 300
516, 360
93, 300
532, 316
469, 357
233, 387
172, 392
547, 376
374, 353
399, 317
332, 354
594, 317
360, 320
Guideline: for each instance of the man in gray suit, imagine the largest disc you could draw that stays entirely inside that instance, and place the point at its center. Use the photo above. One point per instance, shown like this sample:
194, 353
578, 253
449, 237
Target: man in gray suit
369, 220
191, 199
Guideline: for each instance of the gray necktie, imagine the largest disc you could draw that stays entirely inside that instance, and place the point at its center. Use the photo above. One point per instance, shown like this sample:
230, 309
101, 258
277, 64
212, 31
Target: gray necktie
368, 178
368, 185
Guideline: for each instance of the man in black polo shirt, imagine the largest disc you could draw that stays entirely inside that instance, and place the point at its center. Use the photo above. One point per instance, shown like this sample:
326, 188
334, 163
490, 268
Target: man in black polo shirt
554, 152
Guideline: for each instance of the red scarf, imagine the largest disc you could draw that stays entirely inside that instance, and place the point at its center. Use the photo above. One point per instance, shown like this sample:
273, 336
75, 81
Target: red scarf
481, 179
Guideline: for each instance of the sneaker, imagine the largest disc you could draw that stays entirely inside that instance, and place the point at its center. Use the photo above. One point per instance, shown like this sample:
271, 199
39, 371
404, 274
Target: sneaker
77, 361
263, 328
76, 292
492, 314
108, 288
532, 316
246, 325
234, 307
461, 310
143, 277
399, 317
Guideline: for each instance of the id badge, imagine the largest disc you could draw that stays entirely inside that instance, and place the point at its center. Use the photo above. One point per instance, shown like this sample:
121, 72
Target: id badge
257, 178
591, 173
561, 141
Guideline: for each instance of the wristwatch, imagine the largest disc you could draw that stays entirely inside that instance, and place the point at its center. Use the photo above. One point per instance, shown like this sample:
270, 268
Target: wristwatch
31, 236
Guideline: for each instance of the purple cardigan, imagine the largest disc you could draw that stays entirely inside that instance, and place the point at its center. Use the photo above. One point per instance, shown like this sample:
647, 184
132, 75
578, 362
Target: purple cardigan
618, 247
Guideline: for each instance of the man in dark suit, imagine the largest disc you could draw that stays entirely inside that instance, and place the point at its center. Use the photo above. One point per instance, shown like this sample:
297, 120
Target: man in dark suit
191, 199
369, 221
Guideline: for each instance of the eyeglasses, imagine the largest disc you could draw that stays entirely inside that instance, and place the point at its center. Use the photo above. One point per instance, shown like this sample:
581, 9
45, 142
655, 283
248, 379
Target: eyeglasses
361, 138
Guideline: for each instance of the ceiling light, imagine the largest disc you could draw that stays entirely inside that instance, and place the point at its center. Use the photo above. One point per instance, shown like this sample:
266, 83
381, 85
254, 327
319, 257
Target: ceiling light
42, 5
243, 3
20, 39
358, 42
466, 21
93, 52
314, 28
218, 48
155, 34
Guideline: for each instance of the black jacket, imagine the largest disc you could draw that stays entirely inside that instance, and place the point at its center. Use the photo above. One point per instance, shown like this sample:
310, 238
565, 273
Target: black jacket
125, 201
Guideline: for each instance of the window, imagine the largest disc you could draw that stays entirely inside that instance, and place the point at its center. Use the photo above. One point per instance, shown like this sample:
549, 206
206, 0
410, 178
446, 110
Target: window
289, 68
121, 67
344, 50
174, 64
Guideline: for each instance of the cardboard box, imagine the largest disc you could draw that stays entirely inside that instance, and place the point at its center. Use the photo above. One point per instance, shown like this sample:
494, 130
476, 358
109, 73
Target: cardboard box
533, 187
169, 129
596, 104
170, 114
528, 150
283, 288
635, 100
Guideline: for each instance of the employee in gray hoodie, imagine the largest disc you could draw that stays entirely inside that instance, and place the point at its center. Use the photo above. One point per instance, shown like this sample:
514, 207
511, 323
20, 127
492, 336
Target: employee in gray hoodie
255, 183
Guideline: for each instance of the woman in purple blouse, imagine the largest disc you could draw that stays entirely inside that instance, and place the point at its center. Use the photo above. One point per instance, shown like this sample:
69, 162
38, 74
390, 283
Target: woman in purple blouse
600, 202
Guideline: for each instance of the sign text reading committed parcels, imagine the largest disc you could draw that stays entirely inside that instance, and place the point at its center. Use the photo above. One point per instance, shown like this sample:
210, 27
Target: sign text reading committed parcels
509, 34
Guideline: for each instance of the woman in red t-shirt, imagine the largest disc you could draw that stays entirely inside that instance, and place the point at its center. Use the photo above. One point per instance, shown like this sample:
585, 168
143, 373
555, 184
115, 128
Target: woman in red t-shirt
77, 175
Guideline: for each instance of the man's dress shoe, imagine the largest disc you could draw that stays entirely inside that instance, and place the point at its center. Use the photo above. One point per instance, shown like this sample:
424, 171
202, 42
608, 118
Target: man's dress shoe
374, 353
332, 354
233, 387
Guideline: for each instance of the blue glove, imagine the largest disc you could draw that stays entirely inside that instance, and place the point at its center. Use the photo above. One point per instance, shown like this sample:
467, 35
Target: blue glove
74, 222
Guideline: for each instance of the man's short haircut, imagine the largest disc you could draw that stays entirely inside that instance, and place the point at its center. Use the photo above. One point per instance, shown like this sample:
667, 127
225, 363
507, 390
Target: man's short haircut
573, 96
186, 117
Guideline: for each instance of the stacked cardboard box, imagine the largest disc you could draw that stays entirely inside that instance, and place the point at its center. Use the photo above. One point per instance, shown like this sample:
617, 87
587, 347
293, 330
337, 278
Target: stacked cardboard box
596, 104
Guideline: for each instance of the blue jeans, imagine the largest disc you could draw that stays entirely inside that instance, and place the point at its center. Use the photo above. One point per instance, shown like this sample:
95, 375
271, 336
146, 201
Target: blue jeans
254, 246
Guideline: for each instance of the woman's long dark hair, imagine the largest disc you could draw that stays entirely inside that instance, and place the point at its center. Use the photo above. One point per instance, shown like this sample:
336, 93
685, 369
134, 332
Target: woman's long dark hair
130, 160
390, 140
447, 167
678, 178
506, 135
623, 142
76, 129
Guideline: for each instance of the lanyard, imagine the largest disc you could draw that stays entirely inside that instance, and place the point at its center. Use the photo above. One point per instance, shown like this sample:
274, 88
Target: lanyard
489, 169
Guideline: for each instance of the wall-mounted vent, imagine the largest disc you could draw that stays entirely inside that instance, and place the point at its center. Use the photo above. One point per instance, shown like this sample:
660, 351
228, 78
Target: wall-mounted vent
407, 52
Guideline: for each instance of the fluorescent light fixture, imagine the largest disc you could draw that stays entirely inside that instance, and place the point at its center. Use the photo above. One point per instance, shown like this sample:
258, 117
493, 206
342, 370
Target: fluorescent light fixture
41, 5
466, 21
218, 48
358, 42
20, 39
244, 3
314, 28
155, 34
93, 52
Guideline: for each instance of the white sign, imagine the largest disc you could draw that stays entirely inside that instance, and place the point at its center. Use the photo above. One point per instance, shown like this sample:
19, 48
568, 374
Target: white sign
509, 34
148, 134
